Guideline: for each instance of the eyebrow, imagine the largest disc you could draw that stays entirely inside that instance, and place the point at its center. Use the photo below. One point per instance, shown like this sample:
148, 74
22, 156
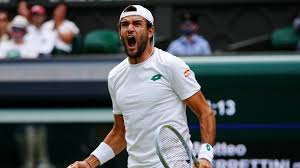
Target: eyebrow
136, 20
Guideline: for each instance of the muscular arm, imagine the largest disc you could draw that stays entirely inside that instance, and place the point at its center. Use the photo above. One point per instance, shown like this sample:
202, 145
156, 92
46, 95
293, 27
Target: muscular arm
66, 37
197, 103
115, 139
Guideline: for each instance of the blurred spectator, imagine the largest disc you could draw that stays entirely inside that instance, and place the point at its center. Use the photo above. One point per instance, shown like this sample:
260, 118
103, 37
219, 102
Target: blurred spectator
17, 46
42, 39
296, 26
64, 30
23, 9
4, 36
189, 43
32, 140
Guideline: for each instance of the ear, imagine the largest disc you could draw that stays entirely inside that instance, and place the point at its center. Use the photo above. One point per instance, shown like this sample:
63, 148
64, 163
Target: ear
151, 32
120, 35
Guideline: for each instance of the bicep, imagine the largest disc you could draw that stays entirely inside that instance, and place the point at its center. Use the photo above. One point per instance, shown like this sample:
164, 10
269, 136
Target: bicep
118, 130
112, 93
119, 122
67, 37
198, 104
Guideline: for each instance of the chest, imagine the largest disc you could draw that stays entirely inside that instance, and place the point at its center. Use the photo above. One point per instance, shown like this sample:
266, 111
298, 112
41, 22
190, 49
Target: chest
142, 88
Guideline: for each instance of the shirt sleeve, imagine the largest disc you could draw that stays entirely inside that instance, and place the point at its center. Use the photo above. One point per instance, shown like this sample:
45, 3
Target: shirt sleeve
182, 79
48, 45
74, 28
112, 93
69, 26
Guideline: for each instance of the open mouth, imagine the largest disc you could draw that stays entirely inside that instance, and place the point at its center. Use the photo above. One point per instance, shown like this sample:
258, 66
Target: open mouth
131, 41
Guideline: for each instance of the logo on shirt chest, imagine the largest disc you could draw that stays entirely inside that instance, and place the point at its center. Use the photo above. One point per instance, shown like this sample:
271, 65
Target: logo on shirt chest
156, 77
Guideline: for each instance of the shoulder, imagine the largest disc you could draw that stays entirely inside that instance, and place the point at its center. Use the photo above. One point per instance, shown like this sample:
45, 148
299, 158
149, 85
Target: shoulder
48, 23
69, 23
117, 70
200, 39
6, 44
177, 41
168, 60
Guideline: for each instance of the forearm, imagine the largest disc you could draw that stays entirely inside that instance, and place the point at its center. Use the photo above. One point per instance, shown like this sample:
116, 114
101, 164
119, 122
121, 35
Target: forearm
205, 115
207, 122
207, 127
208, 134
116, 140
112, 145
66, 37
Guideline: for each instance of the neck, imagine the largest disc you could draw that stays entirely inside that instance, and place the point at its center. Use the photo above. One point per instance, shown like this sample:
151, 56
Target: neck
145, 55
19, 41
38, 25
189, 37
58, 20
2, 32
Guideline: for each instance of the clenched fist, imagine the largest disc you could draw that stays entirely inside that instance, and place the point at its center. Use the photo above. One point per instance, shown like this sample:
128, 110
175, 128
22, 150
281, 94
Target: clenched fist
205, 163
79, 164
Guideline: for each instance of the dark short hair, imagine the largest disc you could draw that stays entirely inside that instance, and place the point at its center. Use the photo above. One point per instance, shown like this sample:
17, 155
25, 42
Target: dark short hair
130, 8
133, 8
4, 11
189, 17
60, 3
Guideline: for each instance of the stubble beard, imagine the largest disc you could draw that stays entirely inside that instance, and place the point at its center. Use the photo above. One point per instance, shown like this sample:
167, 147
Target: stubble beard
141, 46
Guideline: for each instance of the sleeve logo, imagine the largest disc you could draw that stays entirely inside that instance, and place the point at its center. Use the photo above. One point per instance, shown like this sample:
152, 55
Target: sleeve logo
187, 72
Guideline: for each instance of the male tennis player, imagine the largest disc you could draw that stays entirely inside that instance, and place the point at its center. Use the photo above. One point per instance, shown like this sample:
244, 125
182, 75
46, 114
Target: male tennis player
148, 89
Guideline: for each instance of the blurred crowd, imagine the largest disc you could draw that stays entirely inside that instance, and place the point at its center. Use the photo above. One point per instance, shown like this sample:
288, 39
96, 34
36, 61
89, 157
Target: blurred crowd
296, 27
190, 43
29, 35
37, 33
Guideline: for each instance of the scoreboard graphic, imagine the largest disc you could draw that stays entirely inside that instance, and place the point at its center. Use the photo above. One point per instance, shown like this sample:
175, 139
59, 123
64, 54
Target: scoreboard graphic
258, 117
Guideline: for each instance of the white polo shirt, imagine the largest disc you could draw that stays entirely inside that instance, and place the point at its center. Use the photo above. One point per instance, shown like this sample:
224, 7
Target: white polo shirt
65, 27
148, 95
42, 39
11, 49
